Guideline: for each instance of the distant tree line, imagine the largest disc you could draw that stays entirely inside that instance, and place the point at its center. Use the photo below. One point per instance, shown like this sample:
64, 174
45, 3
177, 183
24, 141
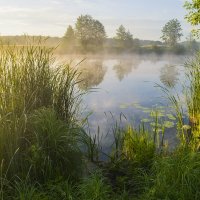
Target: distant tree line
89, 35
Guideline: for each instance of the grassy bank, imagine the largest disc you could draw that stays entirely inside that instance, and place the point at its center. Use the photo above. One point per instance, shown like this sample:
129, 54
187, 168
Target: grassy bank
46, 154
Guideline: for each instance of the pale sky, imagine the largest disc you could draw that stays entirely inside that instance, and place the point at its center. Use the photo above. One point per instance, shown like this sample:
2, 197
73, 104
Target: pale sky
144, 18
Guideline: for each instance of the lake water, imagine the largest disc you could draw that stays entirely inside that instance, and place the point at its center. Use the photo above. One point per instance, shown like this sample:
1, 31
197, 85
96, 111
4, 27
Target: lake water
124, 91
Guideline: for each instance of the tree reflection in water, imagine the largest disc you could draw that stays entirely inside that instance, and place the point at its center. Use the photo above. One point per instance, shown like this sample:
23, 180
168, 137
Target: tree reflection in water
169, 75
92, 74
125, 67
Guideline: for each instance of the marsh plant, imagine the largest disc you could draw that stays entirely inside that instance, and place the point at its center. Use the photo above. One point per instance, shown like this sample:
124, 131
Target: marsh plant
38, 113
186, 105
192, 92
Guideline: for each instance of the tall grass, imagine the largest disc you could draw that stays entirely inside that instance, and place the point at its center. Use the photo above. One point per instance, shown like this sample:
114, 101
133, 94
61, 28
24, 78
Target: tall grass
175, 176
39, 103
188, 130
95, 188
192, 93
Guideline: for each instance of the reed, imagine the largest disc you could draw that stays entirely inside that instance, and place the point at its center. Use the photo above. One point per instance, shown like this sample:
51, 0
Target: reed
39, 102
192, 94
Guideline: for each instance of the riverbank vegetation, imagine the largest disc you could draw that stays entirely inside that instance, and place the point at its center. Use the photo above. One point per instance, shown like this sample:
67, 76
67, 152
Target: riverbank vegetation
47, 154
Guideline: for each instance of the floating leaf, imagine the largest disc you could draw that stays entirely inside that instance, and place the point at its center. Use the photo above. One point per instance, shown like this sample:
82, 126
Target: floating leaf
157, 114
146, 110
171, 117
168, 124
146, 120
155, 124
123, 106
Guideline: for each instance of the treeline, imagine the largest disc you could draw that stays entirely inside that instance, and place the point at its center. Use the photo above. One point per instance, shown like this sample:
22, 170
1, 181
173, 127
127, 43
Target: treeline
88, 35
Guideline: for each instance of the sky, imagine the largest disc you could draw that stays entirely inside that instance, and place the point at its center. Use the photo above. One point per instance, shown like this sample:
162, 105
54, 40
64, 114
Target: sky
143, 18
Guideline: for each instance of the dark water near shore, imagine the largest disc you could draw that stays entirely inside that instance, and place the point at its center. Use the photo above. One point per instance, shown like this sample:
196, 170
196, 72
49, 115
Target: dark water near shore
124, 91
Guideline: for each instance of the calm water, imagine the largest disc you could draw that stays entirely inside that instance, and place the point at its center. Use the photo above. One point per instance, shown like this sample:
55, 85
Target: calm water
126, 85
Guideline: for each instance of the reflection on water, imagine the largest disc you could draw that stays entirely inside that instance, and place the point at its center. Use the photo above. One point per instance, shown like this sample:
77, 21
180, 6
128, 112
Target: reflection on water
125, 82
169, 75
92, 73
125, 67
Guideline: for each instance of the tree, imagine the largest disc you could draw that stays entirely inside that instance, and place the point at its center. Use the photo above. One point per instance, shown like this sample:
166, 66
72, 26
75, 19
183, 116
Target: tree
69, 39
69, 35
192, 44
90, 32
172, 32
193, 16
124, 38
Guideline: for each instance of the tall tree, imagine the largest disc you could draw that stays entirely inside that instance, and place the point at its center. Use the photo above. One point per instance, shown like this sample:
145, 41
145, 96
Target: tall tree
192, 44
124, 37
172, 32
193, 16
69, 35
90, 32
69, 38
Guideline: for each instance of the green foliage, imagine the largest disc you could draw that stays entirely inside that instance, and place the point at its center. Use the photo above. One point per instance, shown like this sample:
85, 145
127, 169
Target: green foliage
26, 191
29, 82
69, 40
193, 16
172, 32
54, 150
133, 158
70, 35
90, 32
60, 190
192, 44
124, 38
176, 177
138, 147
94, 188
192, 95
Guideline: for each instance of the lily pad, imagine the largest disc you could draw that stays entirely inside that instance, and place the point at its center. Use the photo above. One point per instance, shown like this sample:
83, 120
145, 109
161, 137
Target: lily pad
124, 106
146, 110
146, 120
157, 114
168, 124
153, 124
171, 117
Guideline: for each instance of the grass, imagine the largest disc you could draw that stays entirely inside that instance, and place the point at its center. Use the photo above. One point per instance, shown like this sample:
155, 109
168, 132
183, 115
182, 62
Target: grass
43, 145
39, 104
192, 89
176, 177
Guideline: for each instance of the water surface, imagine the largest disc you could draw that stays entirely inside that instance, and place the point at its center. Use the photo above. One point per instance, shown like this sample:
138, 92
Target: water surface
126, 84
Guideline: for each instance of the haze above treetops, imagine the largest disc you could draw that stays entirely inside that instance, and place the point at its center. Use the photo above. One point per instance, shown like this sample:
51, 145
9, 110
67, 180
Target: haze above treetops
143, 18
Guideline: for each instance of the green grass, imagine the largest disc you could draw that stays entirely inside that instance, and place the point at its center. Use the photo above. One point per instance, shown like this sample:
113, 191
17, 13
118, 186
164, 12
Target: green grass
43, 144
175, 177
192, 93
39, 105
